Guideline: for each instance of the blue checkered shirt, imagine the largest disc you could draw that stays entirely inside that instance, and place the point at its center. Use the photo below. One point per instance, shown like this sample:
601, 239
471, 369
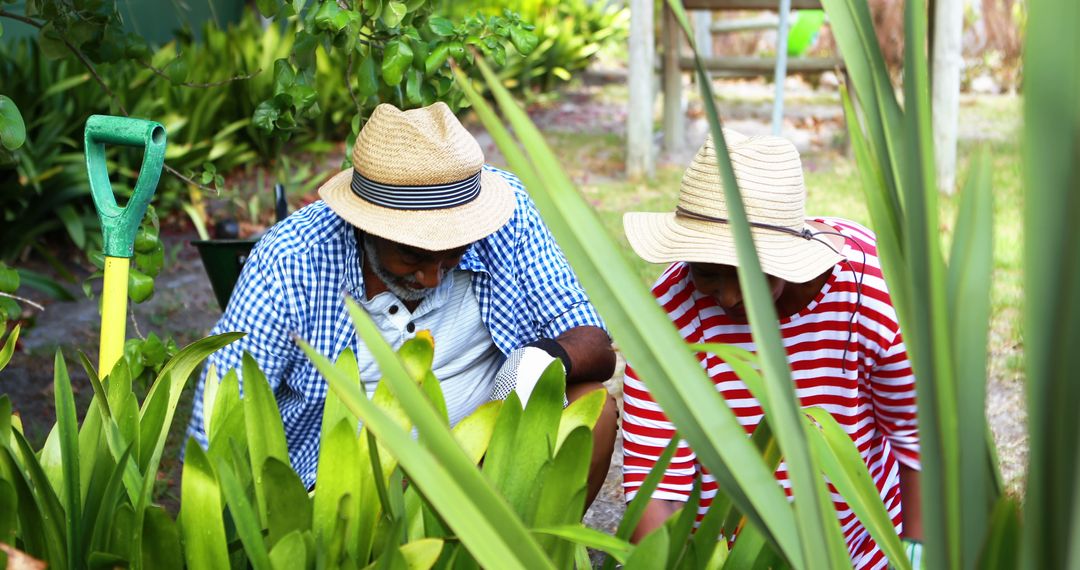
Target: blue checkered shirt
300, 272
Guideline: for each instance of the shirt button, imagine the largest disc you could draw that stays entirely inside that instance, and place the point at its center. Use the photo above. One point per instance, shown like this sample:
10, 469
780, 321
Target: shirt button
393, 309
410, 327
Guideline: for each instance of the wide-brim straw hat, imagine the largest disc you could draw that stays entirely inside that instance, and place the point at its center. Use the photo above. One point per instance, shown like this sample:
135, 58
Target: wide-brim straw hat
770, 178
418, 179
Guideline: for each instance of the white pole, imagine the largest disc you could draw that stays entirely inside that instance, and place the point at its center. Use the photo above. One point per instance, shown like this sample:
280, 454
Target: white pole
945, 86
781, 67
639, 121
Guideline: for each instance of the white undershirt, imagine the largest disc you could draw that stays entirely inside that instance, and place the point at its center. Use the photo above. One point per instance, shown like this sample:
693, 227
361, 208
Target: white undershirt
466, 358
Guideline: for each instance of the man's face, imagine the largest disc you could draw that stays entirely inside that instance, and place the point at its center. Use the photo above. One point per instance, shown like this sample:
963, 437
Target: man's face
722, 283
409, 273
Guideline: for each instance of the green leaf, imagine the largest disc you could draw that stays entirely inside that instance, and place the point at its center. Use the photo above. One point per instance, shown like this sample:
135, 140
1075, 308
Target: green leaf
673, 375
265, 431
12, 127
585, 411
67, 426
9, 349
367, 80
560, 498
9, 509
284, 76
436, 58
396, 59
140, 285
422, 554
440, 26
524, 42
290, 552
265, 115
288, 507
618, 549
177, 70
201, 519
393, 14
412, 86
244, 517
450, 481
9, 279
161, 541
474, 432
651, 552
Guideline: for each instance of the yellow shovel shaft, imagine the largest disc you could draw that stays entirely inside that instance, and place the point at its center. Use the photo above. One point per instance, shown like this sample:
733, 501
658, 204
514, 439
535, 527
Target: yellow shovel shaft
113, 313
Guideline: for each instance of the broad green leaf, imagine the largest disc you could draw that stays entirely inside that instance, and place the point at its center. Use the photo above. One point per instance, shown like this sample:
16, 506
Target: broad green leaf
210, 390
969, 277
422, 554
584, 411
498, 463
67, 429
160, 405
122, 533
393, 14
161, 540
636, 508
619, 550
651, 552
1001, 550
674, 377
110, 501
414, 79
12, 127
44, 496
337, 477
681, 525
9, 508
397, 57
474, 432
367, 80
524, 42
245, 517
482, 520
266, 433
9, 347
436, 58
786, 420
751, 550
561, 496
288, 507
534, 441
847, 471
32, 526
290, 552
441, 26
201, 521
9, 279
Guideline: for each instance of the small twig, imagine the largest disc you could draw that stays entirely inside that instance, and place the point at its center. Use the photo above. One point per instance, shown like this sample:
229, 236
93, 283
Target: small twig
134, 321
161, 73
22, 300
177, 174
348, 82
23, 19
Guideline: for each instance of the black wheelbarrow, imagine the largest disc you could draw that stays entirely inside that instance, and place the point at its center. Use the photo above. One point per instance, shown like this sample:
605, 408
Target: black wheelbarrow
224, 258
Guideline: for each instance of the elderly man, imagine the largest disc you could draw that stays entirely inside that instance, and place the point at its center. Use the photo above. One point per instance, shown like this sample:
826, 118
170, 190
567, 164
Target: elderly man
836, 320
422, 235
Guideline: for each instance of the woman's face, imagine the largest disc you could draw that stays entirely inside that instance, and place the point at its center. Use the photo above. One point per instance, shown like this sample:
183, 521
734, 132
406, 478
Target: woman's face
721, 282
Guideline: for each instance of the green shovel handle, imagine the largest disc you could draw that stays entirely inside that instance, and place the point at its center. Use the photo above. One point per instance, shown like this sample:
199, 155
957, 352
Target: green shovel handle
119, 225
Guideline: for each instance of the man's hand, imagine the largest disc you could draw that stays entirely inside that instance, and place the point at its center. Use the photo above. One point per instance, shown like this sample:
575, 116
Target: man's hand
521, 372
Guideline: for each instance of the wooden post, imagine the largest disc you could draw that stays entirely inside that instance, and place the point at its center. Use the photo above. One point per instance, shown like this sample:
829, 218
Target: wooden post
945, 88
639, 120
674, 122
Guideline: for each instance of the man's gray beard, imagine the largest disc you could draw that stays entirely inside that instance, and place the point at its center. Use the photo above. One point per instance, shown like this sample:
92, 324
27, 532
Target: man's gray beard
393, 284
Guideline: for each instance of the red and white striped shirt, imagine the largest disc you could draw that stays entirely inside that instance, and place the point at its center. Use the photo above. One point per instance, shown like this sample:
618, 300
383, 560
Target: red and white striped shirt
871, 394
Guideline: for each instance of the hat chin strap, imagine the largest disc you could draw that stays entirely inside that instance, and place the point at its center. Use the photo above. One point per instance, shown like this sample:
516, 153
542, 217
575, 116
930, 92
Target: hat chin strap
805, 233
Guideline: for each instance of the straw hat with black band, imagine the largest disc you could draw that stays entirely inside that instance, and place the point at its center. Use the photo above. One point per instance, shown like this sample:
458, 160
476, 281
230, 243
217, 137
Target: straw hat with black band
770, 178
418, 179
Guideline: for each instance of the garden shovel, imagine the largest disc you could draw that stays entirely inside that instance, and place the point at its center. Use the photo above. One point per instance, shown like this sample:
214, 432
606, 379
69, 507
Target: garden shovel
119, 224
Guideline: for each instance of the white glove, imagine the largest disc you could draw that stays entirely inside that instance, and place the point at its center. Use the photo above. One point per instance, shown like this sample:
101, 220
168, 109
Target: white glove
521, 372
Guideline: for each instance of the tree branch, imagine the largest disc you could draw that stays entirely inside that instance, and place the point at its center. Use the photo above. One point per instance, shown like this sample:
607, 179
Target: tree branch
22, 300
161, 73
348, 82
